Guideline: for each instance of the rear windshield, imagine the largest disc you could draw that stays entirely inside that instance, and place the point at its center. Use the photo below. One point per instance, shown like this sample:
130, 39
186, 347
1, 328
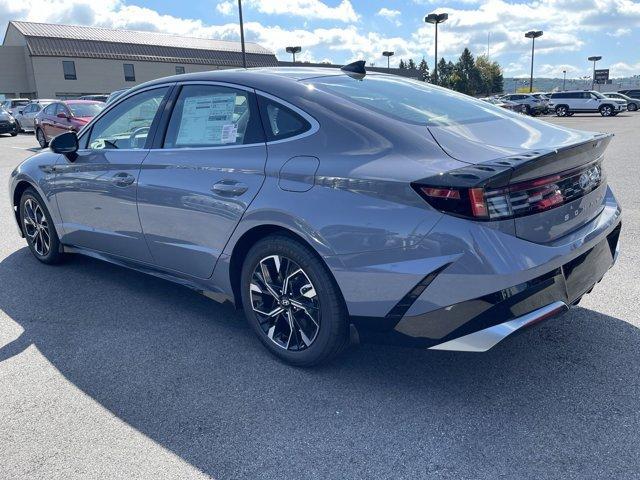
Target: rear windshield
410, 100
20, 103
85, 109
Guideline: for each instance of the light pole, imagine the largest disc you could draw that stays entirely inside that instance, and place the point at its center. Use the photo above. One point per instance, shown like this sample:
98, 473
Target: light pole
564, 79
388, 55
533, 34
293, 51
436, 18
594, 60
244, 56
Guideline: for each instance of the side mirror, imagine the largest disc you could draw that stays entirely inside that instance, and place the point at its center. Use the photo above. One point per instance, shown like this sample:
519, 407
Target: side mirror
20, 111
66, 144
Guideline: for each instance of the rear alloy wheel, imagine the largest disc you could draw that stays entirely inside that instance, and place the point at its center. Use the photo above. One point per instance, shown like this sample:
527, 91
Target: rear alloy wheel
606, 110
562, 111
38, 228
292, 303
42, 140
632, 107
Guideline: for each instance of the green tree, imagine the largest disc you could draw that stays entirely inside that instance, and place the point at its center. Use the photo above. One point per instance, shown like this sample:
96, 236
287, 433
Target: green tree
467, 78
423, 68
445, 70
411, 65
491, 77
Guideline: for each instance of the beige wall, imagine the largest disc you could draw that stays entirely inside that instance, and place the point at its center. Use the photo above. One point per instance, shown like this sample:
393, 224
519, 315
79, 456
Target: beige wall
97, 75
13, 72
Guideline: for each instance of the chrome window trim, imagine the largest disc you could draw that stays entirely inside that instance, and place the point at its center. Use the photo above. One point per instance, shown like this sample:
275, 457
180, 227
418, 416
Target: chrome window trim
315, 125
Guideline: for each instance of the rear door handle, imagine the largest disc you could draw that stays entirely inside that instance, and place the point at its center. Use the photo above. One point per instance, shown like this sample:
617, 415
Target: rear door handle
123, 179
229, 188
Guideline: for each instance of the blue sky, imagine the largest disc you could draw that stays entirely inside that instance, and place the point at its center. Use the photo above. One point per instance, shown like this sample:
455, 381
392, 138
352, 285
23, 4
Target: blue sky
345, 30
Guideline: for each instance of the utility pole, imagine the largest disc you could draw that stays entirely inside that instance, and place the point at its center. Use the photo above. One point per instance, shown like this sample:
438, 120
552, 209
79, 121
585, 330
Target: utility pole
244, 56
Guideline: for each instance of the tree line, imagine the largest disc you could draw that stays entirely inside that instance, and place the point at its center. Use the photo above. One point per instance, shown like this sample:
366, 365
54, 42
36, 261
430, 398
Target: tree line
473, 76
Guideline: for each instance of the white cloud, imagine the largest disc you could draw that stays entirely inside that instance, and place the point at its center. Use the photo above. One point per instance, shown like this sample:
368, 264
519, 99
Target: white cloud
567, 24
225, 8
623, 69
620, 32
314, 9
388, 13
391, 15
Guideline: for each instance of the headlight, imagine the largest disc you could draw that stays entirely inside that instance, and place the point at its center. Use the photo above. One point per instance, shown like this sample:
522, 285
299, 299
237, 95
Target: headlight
12, 120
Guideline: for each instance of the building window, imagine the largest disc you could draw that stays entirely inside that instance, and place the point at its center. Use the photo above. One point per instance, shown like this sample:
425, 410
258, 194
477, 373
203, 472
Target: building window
129, 73
179, 70
69, 68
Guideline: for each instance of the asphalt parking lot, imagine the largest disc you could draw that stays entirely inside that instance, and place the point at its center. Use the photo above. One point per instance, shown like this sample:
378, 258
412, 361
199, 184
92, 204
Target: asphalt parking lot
108, 373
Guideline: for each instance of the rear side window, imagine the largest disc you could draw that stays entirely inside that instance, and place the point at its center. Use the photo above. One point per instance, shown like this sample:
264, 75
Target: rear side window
213, 116
51, 109
280, 122
410, 101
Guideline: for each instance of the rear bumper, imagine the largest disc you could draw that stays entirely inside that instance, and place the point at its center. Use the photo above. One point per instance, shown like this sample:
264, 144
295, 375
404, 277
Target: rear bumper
480, 323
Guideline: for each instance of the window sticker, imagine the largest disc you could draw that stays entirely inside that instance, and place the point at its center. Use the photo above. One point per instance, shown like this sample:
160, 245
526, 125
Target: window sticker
208, 120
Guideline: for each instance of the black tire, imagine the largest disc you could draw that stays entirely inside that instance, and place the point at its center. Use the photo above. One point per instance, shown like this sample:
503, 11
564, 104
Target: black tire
606, 110
18, 127
632, 107
34, 211
327, 335
42, 140
562, 111
527, 109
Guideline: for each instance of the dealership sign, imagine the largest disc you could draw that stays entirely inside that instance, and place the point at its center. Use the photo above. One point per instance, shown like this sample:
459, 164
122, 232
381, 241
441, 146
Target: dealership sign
601, 76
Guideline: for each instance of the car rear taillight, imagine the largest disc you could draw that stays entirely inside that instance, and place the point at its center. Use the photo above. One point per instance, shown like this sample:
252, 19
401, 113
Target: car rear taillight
515, 200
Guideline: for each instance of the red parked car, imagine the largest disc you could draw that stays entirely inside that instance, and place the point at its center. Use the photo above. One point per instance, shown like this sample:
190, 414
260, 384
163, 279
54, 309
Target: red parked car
64, 116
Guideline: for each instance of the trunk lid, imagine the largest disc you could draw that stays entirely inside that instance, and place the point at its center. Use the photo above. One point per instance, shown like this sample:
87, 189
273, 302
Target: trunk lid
547, 179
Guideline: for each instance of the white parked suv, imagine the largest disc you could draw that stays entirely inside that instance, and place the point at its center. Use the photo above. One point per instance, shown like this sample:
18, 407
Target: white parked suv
585, 101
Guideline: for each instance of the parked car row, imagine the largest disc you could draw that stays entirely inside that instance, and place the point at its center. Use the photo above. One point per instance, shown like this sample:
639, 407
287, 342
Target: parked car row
568, 103
48, 117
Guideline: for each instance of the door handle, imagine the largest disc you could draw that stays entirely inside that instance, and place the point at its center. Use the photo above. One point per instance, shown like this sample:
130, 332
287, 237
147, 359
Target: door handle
123, 179
230, 188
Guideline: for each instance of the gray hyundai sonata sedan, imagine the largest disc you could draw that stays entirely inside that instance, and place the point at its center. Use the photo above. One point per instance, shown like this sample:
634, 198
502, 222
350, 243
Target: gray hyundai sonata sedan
331, 205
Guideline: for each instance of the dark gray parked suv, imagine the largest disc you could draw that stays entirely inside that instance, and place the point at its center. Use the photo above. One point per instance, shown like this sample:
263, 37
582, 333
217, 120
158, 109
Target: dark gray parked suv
319, 199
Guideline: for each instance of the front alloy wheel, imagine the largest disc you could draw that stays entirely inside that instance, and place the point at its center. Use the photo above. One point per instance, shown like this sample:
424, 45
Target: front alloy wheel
38, 229
285, 303
561, 111
606, 111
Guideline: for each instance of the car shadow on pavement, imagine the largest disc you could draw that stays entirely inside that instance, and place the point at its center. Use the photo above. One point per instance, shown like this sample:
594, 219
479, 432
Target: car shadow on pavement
559, 401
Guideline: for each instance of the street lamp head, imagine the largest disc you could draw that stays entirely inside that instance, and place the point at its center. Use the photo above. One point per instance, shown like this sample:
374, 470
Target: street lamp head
436, 17
294, 49
533, 34
594, 59
387, 54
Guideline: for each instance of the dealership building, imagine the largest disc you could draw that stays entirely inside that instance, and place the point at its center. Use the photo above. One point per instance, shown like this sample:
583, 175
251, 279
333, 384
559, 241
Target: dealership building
39, 60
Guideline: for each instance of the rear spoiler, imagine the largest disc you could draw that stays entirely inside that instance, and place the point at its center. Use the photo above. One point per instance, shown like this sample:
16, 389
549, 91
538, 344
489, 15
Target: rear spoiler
526, 166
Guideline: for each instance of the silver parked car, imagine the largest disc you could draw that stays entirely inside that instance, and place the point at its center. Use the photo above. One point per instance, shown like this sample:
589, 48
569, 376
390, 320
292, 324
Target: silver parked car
12, 105
632, 103
532, 105
26, 115
319, 199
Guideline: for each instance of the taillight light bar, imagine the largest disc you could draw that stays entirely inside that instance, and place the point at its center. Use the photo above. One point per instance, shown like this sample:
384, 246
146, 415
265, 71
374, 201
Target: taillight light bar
516, 200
